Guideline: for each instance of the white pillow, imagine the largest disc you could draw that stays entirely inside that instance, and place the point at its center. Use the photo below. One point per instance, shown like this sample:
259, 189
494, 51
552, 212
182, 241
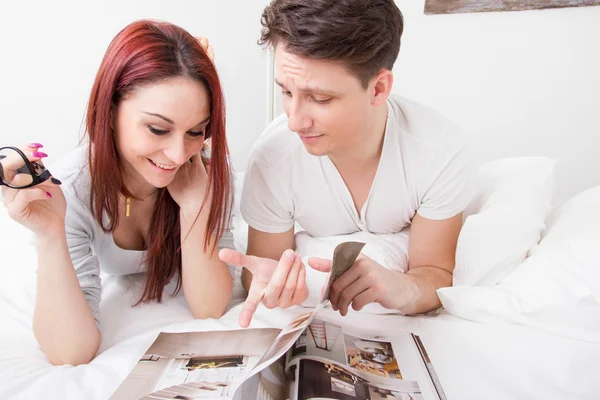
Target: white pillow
557, 288
504, 219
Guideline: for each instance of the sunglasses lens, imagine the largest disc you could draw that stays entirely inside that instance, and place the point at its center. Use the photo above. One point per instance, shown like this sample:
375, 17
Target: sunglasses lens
38, 168
13, 169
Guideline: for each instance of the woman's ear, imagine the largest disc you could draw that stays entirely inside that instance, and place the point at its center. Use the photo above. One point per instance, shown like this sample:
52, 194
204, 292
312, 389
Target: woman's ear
113, 116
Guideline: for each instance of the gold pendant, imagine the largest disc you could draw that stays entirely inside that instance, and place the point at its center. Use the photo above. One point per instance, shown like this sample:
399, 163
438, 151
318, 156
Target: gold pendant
128, 206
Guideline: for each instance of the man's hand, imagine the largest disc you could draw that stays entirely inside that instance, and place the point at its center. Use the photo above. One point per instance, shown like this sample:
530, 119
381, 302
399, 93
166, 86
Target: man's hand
276, 284
368, 282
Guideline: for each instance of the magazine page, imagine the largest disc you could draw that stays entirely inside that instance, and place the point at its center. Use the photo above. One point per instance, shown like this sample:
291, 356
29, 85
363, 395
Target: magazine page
332, 361
244, 364
271, 366
344, 256
196, 364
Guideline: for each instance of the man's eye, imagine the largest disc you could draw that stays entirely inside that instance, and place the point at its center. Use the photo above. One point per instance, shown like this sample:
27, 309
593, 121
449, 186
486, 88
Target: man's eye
155, 131
321, 101
286, 93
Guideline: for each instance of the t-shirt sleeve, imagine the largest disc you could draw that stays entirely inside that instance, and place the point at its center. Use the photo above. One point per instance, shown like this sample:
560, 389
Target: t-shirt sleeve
79, 238
267, 196
448, 184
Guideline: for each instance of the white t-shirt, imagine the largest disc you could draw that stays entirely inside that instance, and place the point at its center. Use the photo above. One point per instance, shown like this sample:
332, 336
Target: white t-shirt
424, 168
92, 250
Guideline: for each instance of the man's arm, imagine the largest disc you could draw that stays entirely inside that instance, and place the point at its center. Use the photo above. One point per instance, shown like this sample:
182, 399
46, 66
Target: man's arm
266, 245
431, 254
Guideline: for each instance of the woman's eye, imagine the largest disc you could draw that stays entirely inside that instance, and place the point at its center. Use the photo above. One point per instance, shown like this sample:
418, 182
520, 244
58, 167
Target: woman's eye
196, 134
286, 93
155, 131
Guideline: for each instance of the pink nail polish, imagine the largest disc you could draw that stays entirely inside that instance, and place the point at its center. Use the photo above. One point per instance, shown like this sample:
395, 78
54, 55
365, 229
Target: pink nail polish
49, 195
39, 154
35, 145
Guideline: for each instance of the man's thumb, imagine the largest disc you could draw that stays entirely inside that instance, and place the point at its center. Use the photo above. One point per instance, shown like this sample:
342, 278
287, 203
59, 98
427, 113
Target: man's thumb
320, 264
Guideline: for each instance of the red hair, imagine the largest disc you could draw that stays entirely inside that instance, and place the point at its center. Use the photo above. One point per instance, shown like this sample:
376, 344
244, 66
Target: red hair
143, 53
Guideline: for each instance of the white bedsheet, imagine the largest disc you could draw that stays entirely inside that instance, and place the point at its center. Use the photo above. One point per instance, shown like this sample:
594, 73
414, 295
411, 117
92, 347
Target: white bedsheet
473, 361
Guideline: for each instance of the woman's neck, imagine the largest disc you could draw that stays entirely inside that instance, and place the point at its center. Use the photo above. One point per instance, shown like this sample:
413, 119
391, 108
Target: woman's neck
137, 186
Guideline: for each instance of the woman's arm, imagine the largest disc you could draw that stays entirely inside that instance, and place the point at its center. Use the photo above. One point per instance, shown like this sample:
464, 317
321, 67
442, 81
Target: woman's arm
63, 323
207, 282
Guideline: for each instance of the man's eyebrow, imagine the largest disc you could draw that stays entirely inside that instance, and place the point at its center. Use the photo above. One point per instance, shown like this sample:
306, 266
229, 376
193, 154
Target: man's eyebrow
311, 89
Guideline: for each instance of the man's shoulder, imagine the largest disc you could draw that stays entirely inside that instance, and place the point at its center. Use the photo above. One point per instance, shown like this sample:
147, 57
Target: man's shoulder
276, 145
420, 122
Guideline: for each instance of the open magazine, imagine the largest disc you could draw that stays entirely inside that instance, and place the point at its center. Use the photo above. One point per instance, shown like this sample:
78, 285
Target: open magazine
313, 357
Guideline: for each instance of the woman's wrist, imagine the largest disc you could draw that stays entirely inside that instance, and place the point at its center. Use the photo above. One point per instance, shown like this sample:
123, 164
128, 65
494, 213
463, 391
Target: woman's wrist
192, 212
50, 236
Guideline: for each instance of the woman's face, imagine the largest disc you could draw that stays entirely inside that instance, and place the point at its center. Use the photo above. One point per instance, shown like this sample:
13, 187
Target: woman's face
158, 128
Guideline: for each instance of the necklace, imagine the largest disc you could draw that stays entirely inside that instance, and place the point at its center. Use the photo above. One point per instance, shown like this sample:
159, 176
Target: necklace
128, 203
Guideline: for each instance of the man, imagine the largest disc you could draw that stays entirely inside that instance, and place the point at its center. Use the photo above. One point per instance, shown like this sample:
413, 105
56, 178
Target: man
348, 156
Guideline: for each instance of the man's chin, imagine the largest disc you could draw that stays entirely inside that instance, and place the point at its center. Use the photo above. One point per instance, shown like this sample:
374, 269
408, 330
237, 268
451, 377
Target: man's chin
316, 151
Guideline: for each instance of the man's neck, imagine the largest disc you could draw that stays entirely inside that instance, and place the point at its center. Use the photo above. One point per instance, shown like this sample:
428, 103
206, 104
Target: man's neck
365, 152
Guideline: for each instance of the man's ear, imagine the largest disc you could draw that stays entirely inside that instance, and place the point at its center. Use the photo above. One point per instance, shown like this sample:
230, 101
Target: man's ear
382, 87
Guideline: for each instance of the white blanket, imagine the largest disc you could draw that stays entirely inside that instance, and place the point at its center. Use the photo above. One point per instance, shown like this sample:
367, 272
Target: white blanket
388, 250
473, 361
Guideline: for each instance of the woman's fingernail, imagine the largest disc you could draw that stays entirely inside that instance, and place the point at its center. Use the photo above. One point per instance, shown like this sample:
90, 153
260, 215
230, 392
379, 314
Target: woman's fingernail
49, 194
39, 154
55, 181
289, 253
35, 145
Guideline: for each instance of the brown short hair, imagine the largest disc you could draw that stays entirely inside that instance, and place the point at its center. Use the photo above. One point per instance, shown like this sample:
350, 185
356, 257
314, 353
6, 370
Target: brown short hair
363, 34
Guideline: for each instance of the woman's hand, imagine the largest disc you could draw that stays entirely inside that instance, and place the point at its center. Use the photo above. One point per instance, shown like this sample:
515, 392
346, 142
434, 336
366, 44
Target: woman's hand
190, 186
40, 208
207, 47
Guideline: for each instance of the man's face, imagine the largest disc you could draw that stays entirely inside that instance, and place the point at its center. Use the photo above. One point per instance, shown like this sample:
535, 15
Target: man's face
326, 106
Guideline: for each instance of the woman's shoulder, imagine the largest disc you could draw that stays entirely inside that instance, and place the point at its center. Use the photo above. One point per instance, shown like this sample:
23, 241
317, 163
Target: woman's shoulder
72, 169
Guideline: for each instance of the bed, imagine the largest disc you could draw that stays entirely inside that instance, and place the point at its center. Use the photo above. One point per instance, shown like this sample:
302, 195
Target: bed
494, 359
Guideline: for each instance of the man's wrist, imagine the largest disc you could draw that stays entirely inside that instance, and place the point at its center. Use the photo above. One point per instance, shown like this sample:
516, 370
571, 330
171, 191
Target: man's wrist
408, 291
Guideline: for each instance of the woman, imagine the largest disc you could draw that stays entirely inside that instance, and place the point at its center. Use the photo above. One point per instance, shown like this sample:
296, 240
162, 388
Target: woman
139, 197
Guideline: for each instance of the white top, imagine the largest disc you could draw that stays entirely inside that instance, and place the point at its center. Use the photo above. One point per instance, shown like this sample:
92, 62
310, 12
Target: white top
423, 168
90, 248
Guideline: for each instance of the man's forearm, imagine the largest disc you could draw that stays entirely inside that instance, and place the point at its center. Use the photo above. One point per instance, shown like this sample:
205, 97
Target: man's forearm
266, 245
425, 281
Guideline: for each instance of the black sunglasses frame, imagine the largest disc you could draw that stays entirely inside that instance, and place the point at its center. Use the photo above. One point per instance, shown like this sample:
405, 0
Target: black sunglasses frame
28, 168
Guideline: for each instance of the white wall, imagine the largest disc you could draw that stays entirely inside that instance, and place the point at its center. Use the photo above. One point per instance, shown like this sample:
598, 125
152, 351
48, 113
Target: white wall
519, 83
51, 51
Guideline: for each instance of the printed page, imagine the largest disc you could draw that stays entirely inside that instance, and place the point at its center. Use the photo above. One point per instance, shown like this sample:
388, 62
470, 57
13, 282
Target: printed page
335, 362
270, 368
272, 385
344, 256
196, 364
216, 364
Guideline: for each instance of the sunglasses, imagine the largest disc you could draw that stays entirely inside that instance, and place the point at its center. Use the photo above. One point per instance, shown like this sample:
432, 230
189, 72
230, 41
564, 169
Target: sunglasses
17, 172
